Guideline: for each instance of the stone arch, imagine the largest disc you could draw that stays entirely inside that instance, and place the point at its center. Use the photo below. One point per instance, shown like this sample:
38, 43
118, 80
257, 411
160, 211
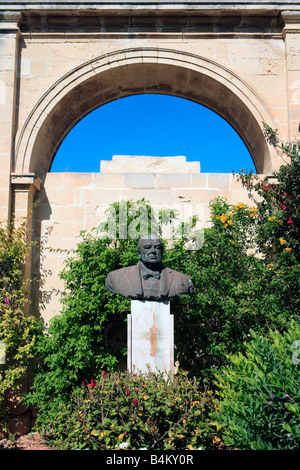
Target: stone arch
134, 71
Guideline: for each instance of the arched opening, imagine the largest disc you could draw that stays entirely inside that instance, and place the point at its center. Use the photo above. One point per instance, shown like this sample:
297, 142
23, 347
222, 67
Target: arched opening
135, 71
156, 125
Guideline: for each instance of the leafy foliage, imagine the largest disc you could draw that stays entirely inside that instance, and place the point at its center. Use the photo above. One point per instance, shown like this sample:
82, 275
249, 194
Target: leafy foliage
259, 405
18, 332
152, 411
278, 204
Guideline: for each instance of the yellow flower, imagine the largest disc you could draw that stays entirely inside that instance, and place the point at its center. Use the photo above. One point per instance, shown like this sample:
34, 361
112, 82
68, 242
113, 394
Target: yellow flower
231, 241
288, 249
190, 447
282, 241
102, 434
216, 440
223, 218
230, 222
230, 214
120, 437
271, 219
241, 205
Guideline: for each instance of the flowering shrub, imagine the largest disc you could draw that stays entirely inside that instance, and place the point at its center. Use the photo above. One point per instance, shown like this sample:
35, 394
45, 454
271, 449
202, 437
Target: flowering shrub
278, 221
151, 411
17, 331
259, 405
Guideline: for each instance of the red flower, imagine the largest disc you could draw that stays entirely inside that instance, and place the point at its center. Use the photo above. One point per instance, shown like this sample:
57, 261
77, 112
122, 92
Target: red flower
92, 384
135, 402
127, 391
103, 373
290, 221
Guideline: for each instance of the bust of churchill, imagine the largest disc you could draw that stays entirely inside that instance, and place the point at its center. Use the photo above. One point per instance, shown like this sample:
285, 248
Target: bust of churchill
149, 279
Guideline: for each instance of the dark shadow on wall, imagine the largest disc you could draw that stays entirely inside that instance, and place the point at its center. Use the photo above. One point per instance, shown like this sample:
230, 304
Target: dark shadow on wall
40, 297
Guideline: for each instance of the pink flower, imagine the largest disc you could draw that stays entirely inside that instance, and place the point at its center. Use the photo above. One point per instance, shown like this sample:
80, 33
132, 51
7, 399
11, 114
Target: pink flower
103, 373
290, 221
7, 300
135, 402
127, 391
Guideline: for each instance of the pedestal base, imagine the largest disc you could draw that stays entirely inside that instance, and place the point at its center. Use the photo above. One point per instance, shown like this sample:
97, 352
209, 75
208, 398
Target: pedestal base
150, 336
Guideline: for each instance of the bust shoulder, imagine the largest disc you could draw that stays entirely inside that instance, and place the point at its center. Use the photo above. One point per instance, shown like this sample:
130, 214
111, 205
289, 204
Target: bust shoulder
175, 273
126, 270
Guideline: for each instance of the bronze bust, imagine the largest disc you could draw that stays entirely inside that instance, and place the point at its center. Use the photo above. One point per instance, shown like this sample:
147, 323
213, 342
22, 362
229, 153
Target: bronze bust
149, 279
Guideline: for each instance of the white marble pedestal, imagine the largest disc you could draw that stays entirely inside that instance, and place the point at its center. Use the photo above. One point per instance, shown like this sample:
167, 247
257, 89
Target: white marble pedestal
150, 336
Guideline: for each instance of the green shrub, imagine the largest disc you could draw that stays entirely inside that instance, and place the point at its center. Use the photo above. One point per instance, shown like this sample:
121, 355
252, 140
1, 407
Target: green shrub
18, 331
278, 221
152, 411
259, 405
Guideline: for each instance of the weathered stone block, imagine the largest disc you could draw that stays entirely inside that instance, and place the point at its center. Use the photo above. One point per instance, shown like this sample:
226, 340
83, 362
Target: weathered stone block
170, 180
145, 164
139, 180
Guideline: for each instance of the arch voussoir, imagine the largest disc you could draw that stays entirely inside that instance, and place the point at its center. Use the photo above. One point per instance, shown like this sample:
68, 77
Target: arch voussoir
133, 71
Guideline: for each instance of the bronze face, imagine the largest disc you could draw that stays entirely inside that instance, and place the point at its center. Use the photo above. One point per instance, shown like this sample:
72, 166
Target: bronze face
150, 251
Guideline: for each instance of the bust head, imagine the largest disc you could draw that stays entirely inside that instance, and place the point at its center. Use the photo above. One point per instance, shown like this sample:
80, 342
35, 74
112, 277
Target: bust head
150, 250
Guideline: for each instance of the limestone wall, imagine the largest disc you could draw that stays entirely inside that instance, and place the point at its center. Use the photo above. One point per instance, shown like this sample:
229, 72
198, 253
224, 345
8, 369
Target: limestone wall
61, 60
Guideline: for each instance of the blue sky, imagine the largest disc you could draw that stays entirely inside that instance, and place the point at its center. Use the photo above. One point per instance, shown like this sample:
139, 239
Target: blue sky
155, 125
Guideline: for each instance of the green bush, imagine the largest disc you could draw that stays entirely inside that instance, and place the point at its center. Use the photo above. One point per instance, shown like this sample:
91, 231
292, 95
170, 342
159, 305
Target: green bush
18, 332
278, 204
259, 404
119, 411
